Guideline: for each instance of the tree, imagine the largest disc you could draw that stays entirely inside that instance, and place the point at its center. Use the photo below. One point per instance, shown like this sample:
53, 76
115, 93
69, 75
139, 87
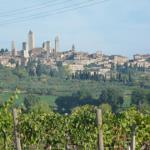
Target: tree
148, 98
39, 69
112, 96
138, 97
20, 72
63, 71
42, 69
2, 51
31, 67
106, 108
104, 96
130, 76
12, 61
30, 101
6, 50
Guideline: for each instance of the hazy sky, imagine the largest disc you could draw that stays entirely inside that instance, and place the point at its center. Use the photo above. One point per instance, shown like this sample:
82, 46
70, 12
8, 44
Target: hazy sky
114, 27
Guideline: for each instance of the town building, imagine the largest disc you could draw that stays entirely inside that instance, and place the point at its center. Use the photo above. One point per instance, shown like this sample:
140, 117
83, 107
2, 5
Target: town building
76, 61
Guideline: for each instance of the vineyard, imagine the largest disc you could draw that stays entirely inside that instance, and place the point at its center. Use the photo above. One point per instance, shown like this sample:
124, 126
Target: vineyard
76, 131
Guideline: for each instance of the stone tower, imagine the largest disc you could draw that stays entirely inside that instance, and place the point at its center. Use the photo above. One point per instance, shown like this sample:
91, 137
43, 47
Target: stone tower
25, 50
48, 48
57, 44
13, 49
31, 40
44, 46
73, 48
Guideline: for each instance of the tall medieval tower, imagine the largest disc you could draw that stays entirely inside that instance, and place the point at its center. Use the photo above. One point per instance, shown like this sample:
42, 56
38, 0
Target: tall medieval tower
31, 40
25, 50
13, 49
57, 44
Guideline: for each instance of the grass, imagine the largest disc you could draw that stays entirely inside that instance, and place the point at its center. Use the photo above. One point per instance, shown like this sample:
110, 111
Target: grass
50, 99
61, 87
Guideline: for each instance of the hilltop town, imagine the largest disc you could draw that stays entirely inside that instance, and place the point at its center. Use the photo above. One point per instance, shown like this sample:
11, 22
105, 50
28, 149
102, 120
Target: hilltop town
95, 63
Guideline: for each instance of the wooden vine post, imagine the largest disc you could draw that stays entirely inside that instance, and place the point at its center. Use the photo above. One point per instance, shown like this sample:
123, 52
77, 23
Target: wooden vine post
133, 142
100, 131
16, 134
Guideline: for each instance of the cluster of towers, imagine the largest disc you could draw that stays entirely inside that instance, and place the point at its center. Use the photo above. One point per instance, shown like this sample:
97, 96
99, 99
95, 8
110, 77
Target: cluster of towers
30, 45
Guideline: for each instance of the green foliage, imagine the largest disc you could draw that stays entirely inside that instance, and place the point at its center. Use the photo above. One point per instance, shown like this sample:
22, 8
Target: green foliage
105, 107
63, 72
113, 97
30, 101
148, 59
6, 123
2, 51
140, 98
39, 129
118, 128
12, 61
41, 69
83, 129
20, 72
